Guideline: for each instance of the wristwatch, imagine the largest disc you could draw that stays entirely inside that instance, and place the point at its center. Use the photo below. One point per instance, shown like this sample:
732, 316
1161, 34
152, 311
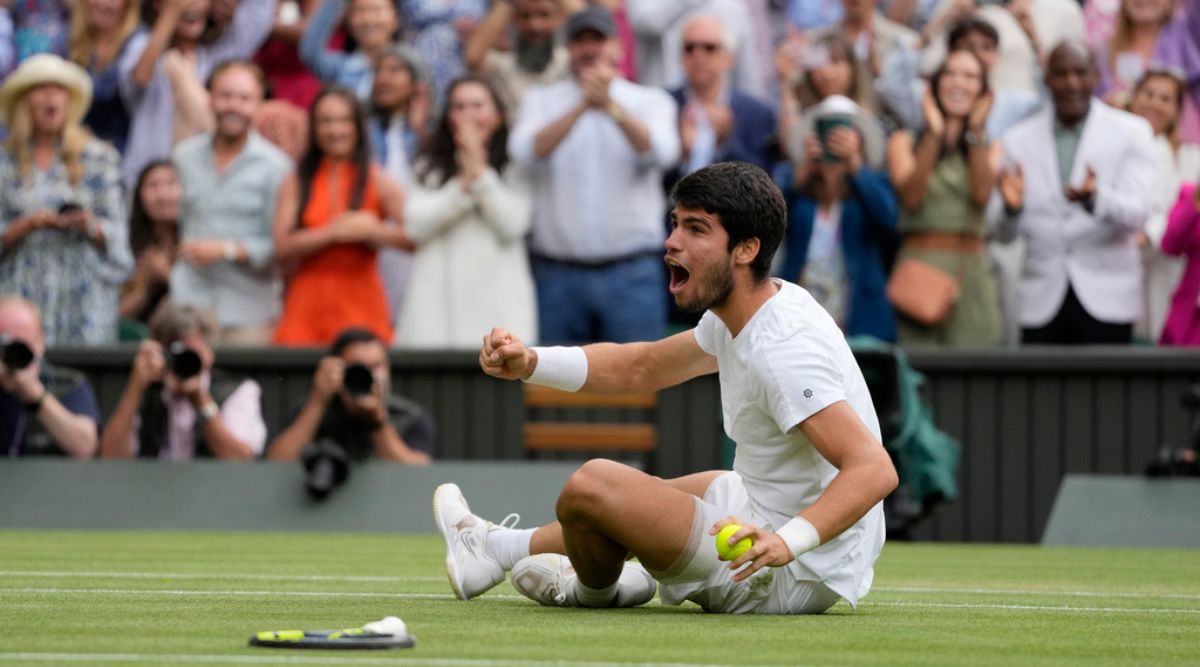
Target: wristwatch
977, 138
36, 404
209, 411
616, 112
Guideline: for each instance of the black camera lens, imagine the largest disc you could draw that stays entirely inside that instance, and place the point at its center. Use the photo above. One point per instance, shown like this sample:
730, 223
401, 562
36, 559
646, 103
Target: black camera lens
358, 380
183, 362
16, 354
326, 467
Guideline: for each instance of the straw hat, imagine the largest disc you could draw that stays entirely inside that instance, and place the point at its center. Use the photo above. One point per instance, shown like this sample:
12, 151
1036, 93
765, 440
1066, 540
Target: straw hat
47, 68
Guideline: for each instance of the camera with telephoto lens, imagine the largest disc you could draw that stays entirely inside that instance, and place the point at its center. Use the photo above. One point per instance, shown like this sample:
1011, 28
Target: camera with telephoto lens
326, 467
358, 380
16, 354
182, 361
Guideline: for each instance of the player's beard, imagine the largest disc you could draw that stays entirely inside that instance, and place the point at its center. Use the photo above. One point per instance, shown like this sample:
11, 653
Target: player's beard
535, 56
713, 288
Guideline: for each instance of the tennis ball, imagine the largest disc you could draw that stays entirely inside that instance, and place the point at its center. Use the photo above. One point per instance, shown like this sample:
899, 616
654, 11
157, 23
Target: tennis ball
726, 552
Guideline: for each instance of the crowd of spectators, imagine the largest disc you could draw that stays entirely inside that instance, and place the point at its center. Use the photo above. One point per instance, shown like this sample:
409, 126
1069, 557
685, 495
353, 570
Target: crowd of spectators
958, 173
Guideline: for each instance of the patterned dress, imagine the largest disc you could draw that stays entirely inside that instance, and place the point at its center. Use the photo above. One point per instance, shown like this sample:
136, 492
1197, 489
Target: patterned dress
73, 281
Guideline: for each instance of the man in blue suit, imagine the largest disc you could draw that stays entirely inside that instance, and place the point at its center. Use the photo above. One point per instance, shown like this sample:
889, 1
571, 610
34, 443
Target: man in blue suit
716, 122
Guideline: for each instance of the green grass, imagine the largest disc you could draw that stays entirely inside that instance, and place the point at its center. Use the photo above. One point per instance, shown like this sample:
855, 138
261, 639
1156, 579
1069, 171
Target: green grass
195, 598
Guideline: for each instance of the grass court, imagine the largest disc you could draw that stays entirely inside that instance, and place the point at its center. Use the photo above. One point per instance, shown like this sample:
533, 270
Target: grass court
159, 598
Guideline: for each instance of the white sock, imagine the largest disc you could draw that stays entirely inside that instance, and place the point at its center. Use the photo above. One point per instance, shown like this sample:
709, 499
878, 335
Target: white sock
595, 597
506, 546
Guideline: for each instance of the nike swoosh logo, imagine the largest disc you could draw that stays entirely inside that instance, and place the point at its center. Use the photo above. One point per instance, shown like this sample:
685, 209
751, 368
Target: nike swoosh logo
468, 545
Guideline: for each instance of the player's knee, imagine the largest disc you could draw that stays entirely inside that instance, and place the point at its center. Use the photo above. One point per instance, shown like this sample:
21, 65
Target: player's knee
587, 489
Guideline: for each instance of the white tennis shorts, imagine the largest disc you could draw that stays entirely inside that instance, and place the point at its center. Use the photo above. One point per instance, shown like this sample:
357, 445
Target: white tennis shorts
699, 576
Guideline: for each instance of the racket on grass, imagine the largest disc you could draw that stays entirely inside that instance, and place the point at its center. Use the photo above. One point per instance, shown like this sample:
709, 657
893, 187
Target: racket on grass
350, 638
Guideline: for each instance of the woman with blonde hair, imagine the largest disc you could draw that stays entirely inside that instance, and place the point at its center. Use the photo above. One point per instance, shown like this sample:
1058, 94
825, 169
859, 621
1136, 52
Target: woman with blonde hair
99, 31
63, 240
1158, 97
1153, 31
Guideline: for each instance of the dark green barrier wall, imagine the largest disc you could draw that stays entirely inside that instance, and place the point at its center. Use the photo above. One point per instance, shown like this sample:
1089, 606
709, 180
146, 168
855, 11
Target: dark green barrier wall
1025, 418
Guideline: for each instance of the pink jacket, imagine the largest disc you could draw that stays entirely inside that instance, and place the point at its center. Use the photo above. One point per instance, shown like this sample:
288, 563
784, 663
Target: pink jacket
1183, 238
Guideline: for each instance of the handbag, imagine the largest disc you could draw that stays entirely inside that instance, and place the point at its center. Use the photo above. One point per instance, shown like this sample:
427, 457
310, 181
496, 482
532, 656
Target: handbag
922, 292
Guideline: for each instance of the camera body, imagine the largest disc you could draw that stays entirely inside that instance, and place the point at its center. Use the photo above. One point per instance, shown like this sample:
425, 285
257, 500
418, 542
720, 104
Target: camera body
326, 467
16, 354
182, 361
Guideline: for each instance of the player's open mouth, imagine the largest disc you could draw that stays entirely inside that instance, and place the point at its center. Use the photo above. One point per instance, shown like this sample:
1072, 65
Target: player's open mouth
679, 275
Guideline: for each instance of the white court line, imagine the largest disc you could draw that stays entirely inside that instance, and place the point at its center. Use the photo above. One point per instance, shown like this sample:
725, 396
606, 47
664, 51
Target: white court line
332, 594
416, 579
1025, 591
1034, 607
187, 575
448, 598
333, 660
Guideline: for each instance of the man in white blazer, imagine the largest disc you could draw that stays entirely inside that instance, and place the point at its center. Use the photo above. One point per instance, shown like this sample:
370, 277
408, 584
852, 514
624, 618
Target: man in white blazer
1077, 186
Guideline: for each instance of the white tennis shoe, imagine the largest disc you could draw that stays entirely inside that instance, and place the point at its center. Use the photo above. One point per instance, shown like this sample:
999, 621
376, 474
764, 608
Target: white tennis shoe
471, 571
550, 580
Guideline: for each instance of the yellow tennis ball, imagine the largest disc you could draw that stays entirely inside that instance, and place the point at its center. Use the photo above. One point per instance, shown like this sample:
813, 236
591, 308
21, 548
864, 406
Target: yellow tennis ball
726, 552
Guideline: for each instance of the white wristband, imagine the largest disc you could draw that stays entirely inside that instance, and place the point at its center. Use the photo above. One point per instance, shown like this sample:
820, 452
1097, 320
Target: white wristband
562, 368
799, 535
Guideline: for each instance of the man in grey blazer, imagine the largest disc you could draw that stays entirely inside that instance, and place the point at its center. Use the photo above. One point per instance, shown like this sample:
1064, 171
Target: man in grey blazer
1077, 186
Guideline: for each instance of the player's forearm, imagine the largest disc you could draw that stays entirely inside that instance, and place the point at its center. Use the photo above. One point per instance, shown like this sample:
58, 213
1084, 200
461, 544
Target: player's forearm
851, 494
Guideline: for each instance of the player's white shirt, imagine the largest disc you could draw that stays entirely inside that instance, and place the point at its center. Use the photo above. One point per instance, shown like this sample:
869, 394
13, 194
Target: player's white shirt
789, 362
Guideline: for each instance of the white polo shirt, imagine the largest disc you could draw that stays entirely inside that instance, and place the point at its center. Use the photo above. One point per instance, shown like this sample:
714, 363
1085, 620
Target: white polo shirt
788, 363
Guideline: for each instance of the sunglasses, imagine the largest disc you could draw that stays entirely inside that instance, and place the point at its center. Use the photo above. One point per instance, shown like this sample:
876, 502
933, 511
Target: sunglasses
707, 47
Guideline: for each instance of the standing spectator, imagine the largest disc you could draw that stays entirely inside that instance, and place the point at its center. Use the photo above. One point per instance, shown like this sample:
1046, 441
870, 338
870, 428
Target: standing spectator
371, 27
288, 78
8, 55
943, 179
717, 122
468, 212
230, 185
659, 24
100, 31
1152, 31
45, 410
330, 222
399, 119
536, 57
1079, 190
40, 26
399, 107
1183, 238
841, 220
154, 239
824, 70
64, 246
162, 69
372, 424
598, 146
176, 406
437, 31
872, 36
1158, 97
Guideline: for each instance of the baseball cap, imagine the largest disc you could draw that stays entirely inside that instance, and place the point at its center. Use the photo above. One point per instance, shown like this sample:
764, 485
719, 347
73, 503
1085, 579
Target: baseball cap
598, 19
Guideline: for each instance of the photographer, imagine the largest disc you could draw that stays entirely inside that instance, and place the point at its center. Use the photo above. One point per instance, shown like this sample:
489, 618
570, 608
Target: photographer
352, 405
44, 410
175, 406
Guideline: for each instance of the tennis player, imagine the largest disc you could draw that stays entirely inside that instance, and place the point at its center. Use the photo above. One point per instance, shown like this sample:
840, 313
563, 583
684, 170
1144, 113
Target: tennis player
809, 474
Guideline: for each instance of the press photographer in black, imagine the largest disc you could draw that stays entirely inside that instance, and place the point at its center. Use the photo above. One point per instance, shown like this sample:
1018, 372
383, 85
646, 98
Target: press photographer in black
45, 410
351, 405
176, 406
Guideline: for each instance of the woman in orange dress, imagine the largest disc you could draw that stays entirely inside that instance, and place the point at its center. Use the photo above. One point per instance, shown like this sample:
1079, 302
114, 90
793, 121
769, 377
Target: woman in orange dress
329, 222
